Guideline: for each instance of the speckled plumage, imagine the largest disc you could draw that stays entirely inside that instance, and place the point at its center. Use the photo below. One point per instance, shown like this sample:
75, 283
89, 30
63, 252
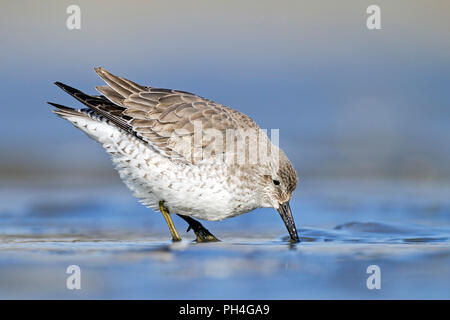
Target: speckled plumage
145, 131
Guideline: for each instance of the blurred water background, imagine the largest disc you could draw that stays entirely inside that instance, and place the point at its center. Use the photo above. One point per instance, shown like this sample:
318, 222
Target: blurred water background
363, 115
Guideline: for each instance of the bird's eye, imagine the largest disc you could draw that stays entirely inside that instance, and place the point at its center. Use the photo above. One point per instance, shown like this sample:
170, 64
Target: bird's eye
276, 182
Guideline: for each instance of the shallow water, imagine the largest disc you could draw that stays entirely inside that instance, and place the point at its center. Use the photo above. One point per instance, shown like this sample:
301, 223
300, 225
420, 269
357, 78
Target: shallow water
123, 249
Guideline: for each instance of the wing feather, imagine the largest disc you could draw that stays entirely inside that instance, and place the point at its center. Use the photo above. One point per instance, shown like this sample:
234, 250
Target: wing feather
163, 118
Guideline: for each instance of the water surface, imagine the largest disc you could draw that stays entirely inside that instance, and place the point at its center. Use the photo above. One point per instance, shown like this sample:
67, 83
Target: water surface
123, 249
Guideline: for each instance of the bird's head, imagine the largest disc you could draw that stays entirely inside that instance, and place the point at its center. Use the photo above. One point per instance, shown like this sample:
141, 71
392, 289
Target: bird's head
279, 182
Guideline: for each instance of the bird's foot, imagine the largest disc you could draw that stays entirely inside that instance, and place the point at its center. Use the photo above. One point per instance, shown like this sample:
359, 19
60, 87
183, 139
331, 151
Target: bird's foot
203, 234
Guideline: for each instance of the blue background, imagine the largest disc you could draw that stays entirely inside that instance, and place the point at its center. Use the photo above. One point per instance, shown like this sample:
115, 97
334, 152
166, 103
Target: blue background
363, 115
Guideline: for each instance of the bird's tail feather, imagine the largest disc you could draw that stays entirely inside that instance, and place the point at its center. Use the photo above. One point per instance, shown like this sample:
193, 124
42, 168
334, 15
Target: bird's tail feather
100, 105
65, 112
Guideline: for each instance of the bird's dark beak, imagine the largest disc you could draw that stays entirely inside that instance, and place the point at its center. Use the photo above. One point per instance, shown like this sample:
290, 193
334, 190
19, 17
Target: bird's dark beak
286, 215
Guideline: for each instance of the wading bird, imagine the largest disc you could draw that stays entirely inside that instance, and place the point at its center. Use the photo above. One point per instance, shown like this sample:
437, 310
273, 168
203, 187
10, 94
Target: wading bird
148, 133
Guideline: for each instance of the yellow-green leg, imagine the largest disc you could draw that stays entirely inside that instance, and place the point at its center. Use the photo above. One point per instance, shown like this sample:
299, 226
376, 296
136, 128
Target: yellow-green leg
165, 212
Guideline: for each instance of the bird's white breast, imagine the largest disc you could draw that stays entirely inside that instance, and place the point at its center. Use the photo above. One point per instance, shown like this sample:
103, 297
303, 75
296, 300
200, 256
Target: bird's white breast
200, 191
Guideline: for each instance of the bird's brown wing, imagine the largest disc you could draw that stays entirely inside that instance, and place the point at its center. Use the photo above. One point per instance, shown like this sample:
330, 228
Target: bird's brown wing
166, 118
